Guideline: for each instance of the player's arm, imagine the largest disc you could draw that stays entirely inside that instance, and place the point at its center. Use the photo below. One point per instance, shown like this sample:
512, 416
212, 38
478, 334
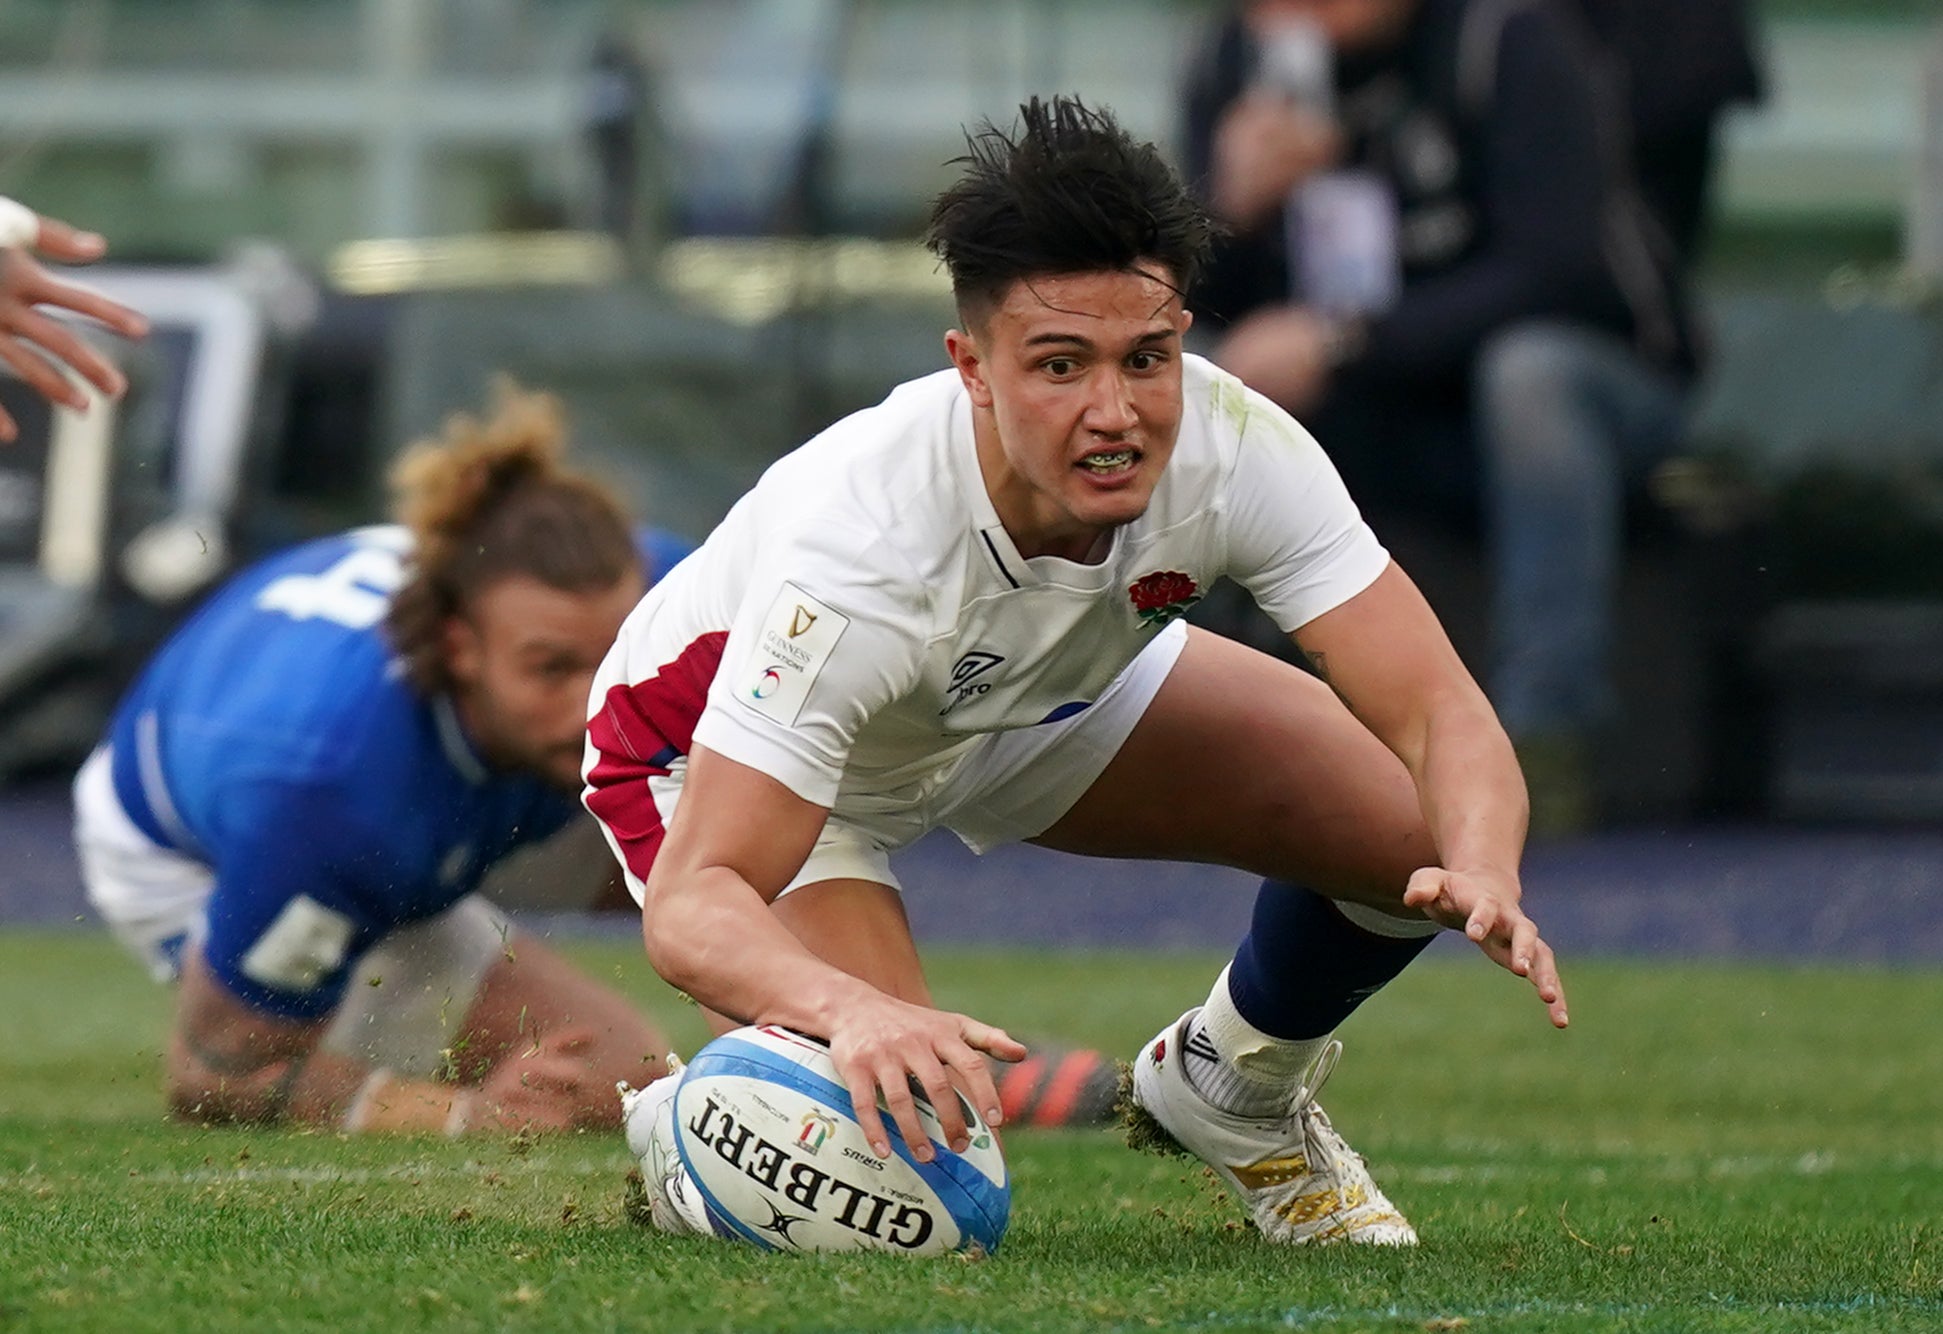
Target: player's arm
1385, 655
230, 1061
738, 836
258, 993
37, 347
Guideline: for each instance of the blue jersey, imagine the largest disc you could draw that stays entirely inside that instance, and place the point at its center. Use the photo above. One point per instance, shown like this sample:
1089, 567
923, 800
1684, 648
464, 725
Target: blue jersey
276, 739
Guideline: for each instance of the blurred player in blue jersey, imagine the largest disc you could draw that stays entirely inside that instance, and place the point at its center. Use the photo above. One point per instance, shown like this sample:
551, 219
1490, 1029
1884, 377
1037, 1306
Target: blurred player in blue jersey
295, 804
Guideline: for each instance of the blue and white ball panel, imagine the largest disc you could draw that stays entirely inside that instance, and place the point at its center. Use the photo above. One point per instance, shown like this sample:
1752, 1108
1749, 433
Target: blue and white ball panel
766, 1130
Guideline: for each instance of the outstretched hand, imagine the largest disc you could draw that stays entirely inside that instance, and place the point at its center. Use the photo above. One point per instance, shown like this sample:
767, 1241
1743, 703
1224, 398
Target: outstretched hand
886, 1045
36, 346
552, 1085
1484, 906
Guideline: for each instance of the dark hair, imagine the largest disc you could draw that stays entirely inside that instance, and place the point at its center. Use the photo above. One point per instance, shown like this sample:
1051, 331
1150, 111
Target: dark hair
1072, 192
489, 500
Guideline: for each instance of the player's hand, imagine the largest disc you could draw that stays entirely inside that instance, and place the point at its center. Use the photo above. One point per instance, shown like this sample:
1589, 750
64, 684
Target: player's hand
885, 1044
1484, 906
548, 1086
37, 346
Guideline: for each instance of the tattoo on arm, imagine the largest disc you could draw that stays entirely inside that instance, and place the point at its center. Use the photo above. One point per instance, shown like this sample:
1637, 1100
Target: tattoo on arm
280, 1093
244, 1064
221, 1062
1319, 662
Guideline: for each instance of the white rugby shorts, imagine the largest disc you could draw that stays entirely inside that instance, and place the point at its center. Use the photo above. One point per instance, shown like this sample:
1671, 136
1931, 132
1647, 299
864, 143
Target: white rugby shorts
1005, 787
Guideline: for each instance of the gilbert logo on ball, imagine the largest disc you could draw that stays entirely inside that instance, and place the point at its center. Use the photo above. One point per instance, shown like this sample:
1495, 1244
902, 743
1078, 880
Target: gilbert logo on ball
769, 1137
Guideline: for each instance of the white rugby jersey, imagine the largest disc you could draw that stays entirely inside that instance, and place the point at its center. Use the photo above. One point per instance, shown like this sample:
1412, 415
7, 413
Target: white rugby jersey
861, 613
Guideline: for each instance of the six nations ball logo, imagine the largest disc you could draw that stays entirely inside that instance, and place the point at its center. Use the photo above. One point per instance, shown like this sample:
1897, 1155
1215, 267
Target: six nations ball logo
1163, 595
891, 1217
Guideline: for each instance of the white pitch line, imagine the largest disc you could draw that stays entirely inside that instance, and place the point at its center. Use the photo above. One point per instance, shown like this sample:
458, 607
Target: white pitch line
1304, 1318
1811, 1164
531, 1165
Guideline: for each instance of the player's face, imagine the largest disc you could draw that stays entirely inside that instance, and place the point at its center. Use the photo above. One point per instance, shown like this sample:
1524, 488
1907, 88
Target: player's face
1075, 381
522, 659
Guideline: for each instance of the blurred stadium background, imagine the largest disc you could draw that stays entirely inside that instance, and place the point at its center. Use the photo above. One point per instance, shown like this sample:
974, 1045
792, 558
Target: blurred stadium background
695, 220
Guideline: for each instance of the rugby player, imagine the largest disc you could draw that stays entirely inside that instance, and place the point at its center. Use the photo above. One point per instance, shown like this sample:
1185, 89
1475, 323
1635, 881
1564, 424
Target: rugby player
961, 609
296, 801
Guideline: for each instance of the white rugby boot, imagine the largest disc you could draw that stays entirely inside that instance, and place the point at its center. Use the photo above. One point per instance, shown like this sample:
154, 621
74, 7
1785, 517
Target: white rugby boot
674, 1205
1301, 1184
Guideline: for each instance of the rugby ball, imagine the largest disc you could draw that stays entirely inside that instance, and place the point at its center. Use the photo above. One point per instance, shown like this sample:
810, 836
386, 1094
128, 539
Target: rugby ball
766, 1129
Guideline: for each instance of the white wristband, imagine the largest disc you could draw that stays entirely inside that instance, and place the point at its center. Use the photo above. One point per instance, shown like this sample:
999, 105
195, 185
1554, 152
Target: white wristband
19, 225
358, 1114
459, 1119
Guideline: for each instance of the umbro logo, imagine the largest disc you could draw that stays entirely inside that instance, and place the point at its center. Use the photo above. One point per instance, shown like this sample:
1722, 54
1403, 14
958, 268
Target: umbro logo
964, 683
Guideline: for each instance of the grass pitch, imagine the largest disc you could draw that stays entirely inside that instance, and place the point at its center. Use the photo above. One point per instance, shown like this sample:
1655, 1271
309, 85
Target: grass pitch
1711, 1147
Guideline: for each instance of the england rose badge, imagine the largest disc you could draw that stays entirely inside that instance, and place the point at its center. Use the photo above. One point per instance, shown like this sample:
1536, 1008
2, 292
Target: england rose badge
1163, 595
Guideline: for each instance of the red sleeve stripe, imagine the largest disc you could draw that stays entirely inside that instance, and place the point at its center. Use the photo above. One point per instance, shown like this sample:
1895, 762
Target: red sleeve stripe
638, 733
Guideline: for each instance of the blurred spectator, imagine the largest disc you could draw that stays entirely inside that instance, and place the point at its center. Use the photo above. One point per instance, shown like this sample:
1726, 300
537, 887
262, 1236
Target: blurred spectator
617, 91
1443, 260
1678, 64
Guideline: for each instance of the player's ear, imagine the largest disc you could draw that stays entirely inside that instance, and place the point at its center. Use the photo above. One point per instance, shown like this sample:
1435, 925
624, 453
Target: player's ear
459, 642
964, 352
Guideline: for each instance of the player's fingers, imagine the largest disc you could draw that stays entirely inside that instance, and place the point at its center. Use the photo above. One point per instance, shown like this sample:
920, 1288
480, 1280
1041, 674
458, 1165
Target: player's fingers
40, 373
9, 432
1550, 986
547, 1103
49, 291
1425, 888
1524, 943
59, 240
1483, 920
976, 1076
568, 1073
545, 1078
572, 1041
896, 1084
941, 1091
70, 347
993, 1041
973, 1076
863, 1102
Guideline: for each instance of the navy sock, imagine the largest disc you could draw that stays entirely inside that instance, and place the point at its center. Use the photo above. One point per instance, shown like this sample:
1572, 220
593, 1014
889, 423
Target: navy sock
1303, 967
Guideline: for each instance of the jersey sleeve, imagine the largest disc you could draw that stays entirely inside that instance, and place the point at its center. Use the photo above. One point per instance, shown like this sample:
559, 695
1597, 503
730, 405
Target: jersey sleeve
286, 920
831, 629
1296, 541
